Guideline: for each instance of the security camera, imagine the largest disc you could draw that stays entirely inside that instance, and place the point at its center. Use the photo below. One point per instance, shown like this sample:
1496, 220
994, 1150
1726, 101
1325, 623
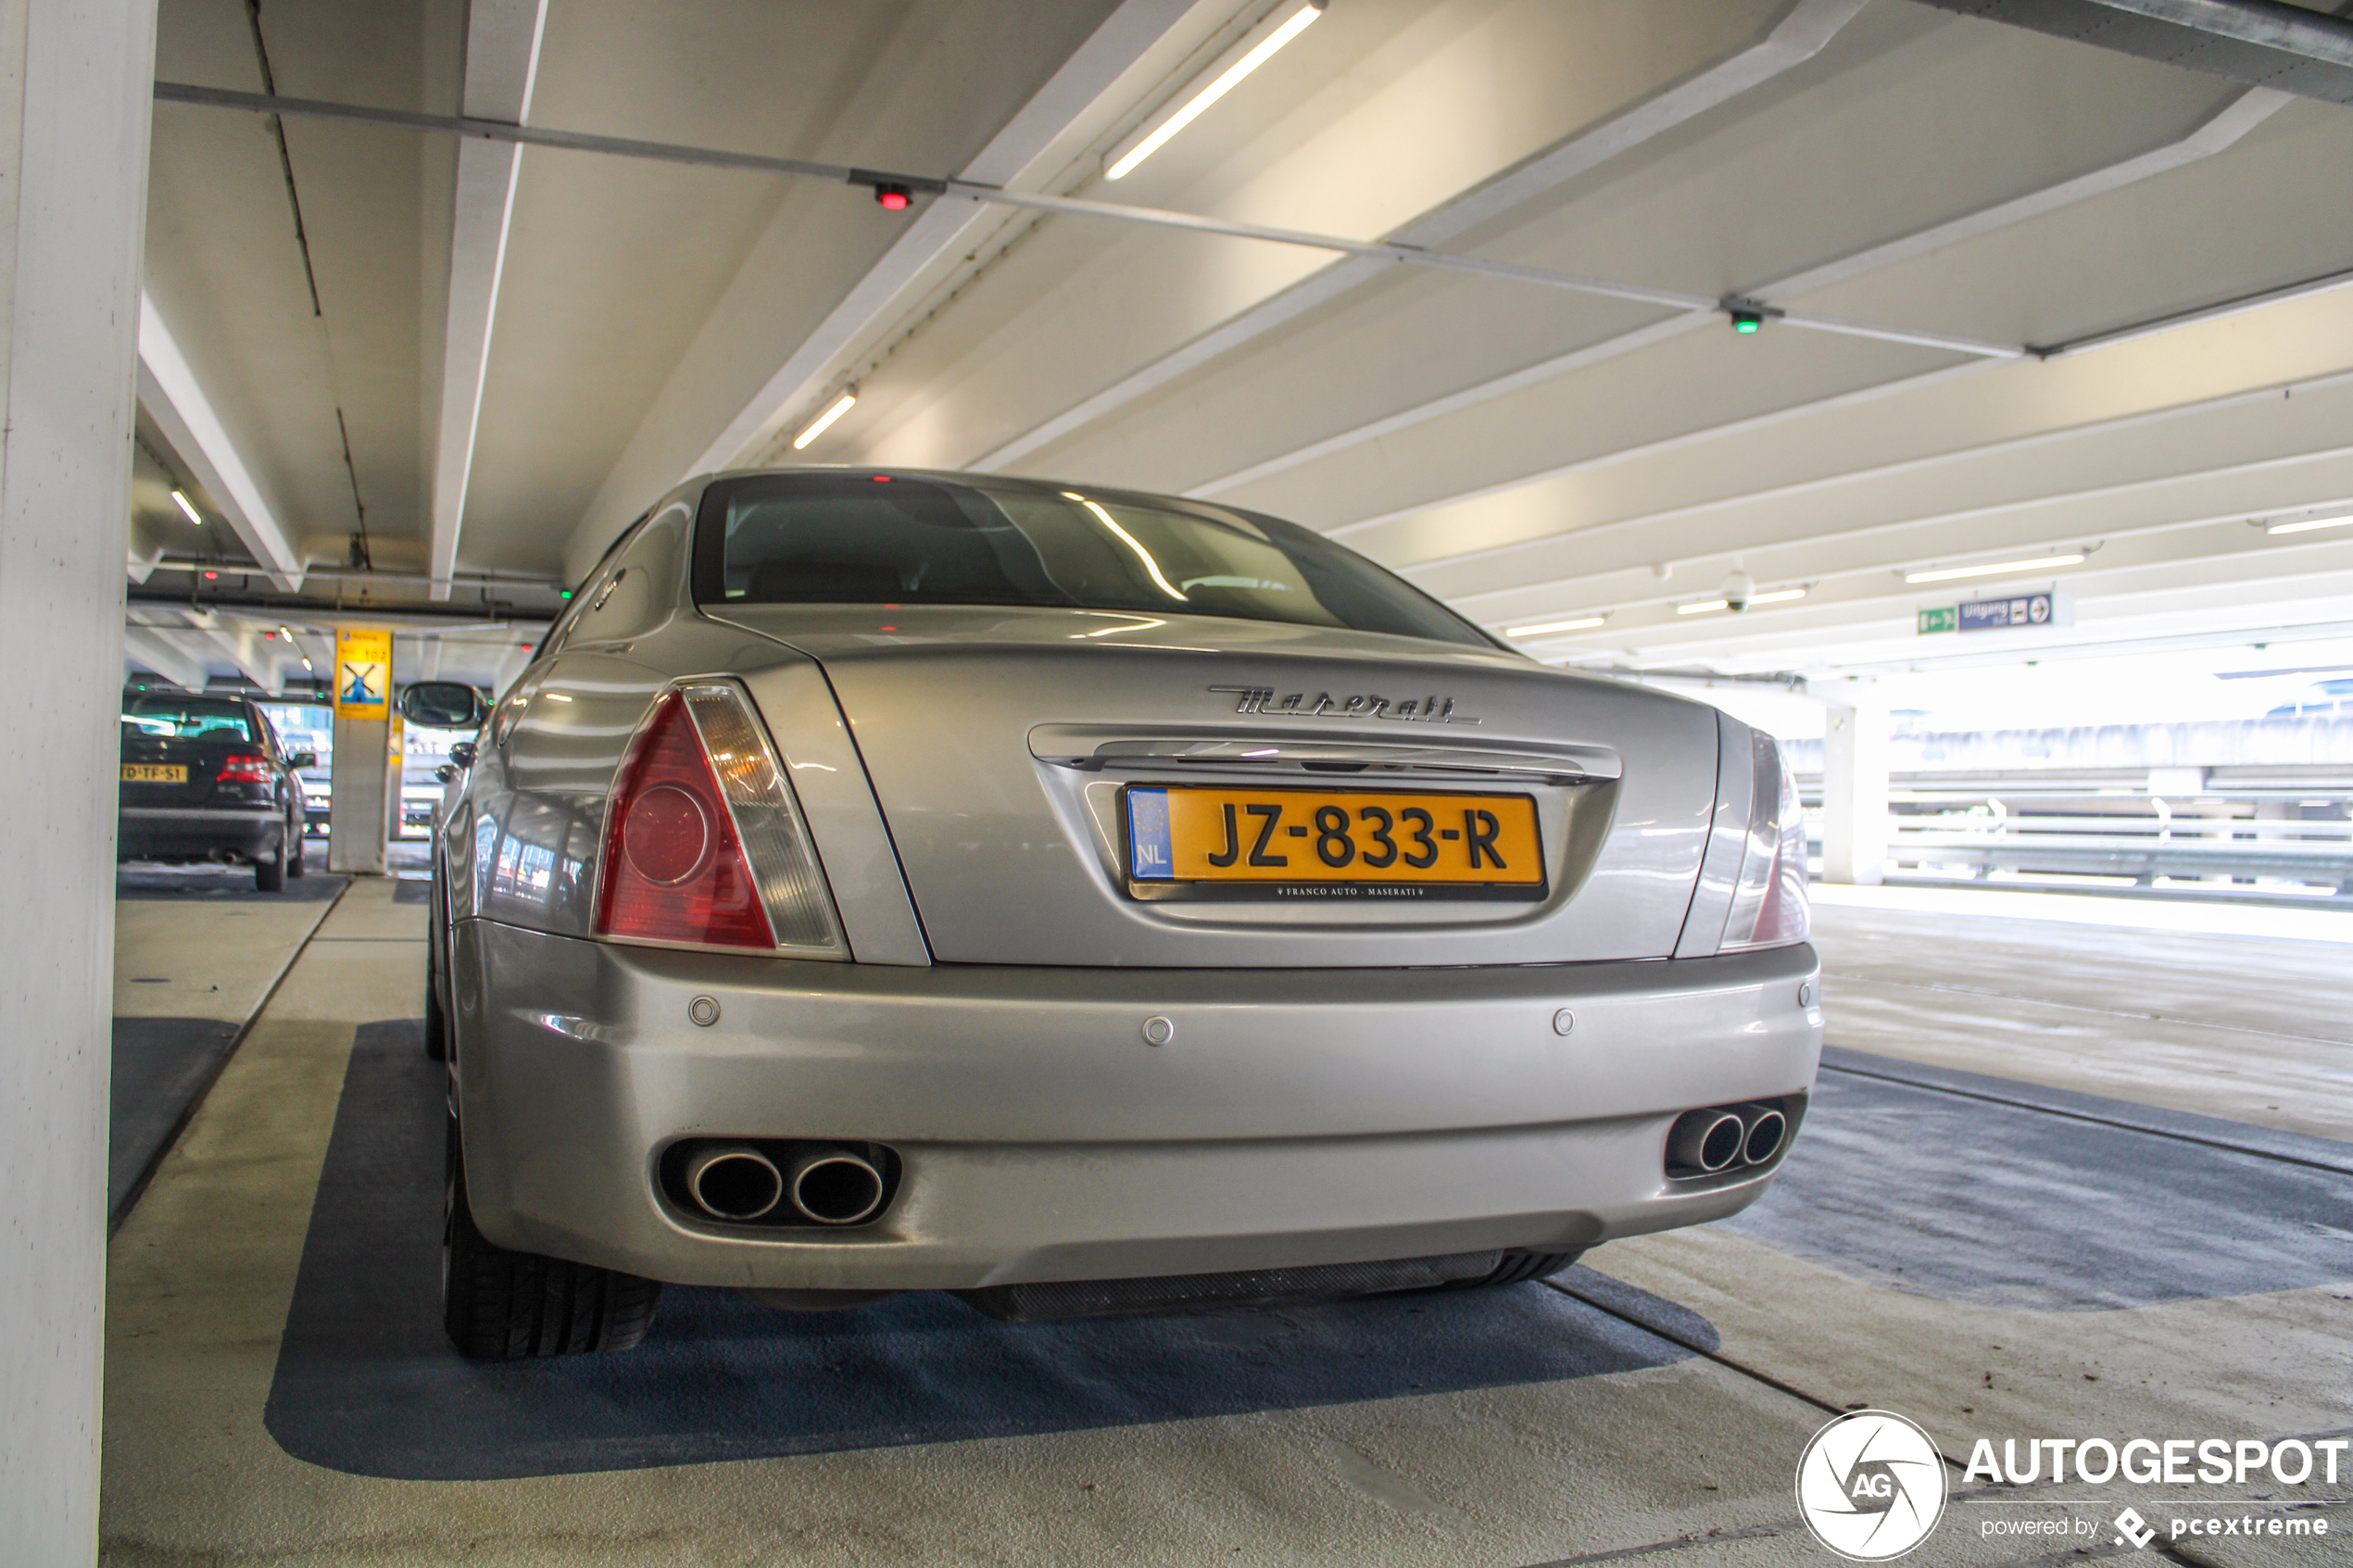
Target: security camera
1739, 588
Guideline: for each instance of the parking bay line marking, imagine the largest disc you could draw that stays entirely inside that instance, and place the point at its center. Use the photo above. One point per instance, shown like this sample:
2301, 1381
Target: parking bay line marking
2080, 1007
2020, 1103
138, 1187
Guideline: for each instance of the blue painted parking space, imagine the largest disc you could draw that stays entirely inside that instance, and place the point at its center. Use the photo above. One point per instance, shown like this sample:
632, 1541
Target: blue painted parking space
366, 1383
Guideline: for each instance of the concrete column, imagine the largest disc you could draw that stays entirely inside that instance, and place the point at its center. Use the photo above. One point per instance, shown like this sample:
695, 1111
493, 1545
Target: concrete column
1854, 795
357, 811
75, 82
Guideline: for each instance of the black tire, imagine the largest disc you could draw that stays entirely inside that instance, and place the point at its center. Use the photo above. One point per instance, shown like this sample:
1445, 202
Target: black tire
1519, 1266
436, 1020
269, 875
503, 1305
294, 865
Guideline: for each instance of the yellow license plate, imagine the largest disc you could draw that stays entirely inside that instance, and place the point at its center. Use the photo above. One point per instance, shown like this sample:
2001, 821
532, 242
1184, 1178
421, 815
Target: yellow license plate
1219, 841
155, 772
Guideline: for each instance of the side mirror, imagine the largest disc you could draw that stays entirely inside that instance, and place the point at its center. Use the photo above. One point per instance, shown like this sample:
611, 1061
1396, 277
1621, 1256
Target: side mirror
443, 705
301, 759
461, 755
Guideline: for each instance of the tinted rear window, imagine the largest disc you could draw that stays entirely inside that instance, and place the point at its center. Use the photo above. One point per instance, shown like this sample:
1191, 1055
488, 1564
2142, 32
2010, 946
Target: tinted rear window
189, 717
861, 539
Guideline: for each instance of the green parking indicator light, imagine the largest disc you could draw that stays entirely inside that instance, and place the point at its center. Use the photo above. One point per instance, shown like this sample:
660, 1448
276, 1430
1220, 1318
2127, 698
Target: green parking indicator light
1746, 322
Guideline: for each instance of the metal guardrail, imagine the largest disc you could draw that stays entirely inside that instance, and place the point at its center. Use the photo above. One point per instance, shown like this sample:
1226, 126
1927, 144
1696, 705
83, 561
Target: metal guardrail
2297, 842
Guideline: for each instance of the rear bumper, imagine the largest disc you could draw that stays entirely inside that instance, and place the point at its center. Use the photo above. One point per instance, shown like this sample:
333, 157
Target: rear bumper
162, 832
1296, 1118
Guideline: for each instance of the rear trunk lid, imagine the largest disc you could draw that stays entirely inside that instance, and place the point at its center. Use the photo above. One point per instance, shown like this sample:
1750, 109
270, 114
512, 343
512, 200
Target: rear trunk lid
173, 771
1025, 759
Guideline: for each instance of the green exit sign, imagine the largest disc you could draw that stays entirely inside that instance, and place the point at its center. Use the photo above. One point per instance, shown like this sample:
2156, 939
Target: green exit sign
1944, 617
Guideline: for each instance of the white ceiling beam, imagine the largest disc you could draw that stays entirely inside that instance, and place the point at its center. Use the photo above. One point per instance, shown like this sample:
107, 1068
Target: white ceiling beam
502, 65
2217, 132
1078, 102
2278, 588
2165, 475
1798, 469
150, 651
1796, 36
256, 659
1885, 627
2216, 514
169, 391
1014, 159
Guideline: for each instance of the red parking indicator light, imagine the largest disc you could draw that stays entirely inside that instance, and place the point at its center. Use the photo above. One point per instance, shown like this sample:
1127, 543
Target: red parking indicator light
894, 198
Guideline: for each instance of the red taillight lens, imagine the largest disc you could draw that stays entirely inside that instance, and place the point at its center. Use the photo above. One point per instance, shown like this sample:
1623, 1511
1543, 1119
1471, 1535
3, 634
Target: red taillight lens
674, 869
243, 768
666, 834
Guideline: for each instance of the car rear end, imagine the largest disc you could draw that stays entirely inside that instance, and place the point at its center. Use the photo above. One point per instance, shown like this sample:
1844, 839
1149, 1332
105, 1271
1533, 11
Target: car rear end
198, 782
943, 945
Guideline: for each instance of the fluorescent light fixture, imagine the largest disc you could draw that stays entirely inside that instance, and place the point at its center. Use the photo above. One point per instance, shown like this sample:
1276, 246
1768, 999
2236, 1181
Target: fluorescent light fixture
1254, 49
2307, 524
1702, 606
824, 421
1778, 596
1582, 624
306, 664
1995, 568
1131, 542
197, 518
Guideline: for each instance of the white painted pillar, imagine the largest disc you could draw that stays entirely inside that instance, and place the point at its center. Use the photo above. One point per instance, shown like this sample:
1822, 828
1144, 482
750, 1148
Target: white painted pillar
357, 811
76, 78
1853, 794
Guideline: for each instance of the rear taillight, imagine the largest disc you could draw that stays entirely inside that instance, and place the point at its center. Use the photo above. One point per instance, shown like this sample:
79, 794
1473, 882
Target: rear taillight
243, 767
1770, 905
704, 844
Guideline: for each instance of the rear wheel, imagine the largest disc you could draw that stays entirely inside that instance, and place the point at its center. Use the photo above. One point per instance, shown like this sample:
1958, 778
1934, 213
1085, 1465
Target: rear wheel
436, 1021
503, 1306
269, 875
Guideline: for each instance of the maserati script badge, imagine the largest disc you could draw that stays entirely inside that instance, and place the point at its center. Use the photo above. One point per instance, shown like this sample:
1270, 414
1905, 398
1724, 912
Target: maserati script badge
1263, 702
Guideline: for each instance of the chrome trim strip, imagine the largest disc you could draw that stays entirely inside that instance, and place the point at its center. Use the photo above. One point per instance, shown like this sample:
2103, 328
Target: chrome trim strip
1090, 748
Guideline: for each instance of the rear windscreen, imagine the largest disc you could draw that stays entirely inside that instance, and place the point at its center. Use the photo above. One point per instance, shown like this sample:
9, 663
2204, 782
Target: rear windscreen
869, 539
188, 719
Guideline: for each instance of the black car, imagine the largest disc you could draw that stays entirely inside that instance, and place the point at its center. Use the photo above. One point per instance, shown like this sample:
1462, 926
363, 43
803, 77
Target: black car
204, 779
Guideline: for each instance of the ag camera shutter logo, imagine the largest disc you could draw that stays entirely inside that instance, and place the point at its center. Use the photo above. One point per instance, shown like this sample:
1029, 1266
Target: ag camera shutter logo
1870, 1485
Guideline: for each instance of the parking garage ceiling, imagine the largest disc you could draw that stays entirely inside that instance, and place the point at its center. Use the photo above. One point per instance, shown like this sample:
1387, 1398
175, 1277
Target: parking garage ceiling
2019, 296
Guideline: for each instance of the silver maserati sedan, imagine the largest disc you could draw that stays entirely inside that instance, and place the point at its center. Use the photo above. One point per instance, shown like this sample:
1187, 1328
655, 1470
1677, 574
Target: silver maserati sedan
1082, 901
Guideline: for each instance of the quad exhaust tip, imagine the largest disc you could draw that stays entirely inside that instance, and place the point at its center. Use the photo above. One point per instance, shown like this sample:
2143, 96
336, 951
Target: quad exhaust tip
822, 1183
834, 1186
732, 1182
1710, 1142
1766, 1128
1706, 1141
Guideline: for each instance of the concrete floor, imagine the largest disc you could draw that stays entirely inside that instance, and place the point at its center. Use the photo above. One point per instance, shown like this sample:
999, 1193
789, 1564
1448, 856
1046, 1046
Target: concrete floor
1733, 1342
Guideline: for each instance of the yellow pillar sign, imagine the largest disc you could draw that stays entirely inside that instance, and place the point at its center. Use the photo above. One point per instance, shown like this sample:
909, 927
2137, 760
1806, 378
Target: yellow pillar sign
363, 674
